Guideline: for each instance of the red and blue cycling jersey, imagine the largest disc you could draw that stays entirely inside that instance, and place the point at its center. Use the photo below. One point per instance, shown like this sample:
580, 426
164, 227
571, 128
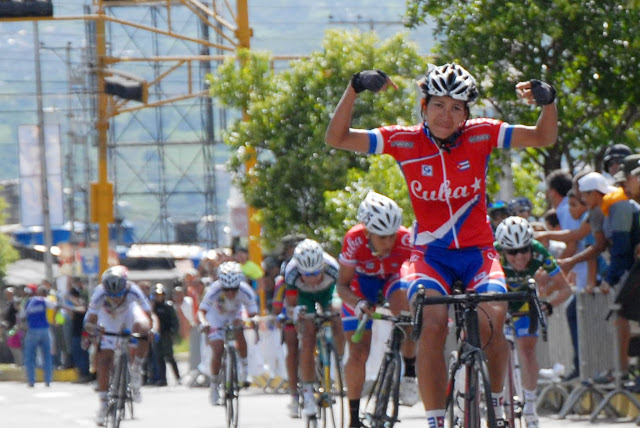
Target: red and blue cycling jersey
356, 252
447, 189
375, 277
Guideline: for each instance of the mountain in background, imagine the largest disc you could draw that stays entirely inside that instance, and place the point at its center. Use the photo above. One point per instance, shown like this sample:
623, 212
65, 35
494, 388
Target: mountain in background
283, 28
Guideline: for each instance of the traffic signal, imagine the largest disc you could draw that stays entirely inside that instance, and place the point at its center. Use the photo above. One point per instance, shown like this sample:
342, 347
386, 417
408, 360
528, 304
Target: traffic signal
126, 86
24, 9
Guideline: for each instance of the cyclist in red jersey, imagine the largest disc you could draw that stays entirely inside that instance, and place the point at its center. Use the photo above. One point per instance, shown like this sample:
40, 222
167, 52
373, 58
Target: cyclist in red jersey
444, 160
373, 252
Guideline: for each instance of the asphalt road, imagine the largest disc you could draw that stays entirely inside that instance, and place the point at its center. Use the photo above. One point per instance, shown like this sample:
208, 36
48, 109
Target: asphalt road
67, 405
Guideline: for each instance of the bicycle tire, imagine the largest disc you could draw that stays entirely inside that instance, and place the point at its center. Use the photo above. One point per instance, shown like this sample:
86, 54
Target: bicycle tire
455, 385
513, 404
129, 399
479, 385
113, 420
386, 394
122, 391
333, 404
232, 389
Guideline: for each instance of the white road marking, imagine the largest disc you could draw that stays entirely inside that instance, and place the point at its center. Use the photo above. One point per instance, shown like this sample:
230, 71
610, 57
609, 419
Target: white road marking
52, 394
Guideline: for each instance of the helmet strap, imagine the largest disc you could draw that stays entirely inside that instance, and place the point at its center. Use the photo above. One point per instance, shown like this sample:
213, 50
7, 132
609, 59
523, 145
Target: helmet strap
444, 143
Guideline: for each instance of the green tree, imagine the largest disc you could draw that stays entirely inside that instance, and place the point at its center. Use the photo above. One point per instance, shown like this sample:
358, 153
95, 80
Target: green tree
287, 116
383, 176
588, 50
8, 254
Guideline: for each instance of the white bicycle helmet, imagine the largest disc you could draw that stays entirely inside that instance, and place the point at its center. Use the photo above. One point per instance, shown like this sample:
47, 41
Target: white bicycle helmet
379, 214
449, 80
309, 256
514, 232
230, 275
114, 280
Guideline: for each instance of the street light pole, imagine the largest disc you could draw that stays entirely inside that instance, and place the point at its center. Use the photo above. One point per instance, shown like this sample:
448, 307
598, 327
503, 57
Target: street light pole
46, 219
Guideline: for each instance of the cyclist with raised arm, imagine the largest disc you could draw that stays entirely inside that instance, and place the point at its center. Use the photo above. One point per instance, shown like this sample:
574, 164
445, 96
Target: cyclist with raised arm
444, 161
310, 278
373, 252
522, 258
117, 304
222, 304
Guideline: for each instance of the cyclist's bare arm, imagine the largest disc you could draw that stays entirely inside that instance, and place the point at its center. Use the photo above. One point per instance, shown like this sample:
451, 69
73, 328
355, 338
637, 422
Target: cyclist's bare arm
545, 132
569, 250
344, 279
566, 235
590, 252
155, 321
555, 286
291, 302
339, 134
202, 319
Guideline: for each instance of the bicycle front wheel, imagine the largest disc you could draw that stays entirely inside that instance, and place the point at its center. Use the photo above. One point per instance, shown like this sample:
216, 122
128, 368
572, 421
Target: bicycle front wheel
123, 389
385, 395
478, 404
513, 403
115, 399
231, 388
333, 398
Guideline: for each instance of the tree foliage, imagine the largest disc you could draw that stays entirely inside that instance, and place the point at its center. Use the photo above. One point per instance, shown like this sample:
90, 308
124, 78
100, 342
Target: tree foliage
8, 254
287, 116
342, 205
588, 50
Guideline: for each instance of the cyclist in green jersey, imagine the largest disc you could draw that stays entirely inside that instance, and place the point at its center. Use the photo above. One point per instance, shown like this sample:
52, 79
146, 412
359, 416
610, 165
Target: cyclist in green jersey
310, 277
522, 257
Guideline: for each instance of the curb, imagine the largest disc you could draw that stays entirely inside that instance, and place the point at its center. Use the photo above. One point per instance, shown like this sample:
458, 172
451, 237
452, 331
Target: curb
11, 372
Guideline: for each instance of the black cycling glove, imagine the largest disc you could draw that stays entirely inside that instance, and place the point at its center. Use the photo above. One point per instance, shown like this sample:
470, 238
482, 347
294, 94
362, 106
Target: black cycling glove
372, 80
542, 92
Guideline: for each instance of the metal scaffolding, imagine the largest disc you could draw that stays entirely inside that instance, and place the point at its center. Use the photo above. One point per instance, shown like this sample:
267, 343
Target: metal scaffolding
164, 159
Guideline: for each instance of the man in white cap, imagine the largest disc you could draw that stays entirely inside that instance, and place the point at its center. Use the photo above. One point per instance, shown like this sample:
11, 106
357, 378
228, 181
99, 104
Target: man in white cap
620, 227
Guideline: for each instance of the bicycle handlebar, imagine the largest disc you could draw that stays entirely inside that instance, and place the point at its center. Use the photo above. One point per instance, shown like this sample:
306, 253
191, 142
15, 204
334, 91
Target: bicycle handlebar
400, 319
473, 299
127, 333
357, 335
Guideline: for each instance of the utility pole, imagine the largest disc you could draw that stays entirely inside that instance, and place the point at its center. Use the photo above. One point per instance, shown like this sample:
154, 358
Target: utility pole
102, 190
243, 33
46, 225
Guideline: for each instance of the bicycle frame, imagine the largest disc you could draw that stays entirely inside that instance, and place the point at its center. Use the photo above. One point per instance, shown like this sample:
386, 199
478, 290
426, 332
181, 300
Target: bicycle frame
470, 354
330, 390
387, 383
229, 375
513, 383
119, 393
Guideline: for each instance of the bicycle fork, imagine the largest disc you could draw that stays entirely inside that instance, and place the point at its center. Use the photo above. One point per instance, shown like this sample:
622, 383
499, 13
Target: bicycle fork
325, 358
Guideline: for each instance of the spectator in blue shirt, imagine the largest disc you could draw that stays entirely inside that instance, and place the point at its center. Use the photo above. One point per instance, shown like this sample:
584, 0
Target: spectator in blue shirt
35, 316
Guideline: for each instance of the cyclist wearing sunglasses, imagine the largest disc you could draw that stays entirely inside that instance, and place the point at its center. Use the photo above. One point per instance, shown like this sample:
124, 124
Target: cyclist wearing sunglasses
117, 304
310, 278
522, 257
373, 252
